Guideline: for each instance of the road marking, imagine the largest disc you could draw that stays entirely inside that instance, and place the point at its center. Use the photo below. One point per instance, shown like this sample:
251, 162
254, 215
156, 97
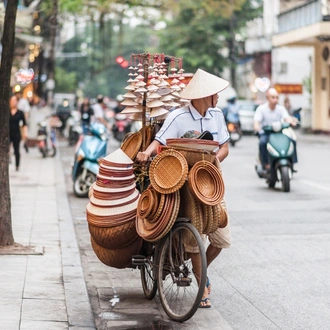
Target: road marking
319, 186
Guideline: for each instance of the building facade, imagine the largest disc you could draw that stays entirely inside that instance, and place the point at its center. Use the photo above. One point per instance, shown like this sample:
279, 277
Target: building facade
307, 24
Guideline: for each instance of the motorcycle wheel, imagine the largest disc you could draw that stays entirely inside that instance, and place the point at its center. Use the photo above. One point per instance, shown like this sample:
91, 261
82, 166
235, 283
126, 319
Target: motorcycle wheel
232, 143
285, 178
81, 187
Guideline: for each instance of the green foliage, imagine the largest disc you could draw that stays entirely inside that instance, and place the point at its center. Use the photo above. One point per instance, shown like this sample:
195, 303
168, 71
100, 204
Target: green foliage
65, 82
202, 29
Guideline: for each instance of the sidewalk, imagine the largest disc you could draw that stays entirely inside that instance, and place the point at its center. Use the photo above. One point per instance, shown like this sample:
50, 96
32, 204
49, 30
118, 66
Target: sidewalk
45, 290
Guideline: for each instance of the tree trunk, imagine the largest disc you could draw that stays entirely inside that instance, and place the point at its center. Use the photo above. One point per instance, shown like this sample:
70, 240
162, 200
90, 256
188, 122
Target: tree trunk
8, 43
52, 39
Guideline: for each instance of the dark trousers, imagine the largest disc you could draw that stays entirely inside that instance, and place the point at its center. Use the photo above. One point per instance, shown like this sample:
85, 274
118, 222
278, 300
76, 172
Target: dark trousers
263, 140
15, 140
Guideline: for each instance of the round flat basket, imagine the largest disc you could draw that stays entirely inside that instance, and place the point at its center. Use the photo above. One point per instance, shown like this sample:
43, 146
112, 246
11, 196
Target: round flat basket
193, 144
119, 258
206, 183
168, 171
132, 145
114, 237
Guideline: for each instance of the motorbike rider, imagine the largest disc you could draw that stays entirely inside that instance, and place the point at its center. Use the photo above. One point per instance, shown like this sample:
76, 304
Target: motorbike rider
266, 114
86, 113
99, 111
232, 111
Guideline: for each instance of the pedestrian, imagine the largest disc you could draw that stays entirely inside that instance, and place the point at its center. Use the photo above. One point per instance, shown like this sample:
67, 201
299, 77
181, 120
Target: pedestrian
265, 115
200, 114
86, 113
17, 119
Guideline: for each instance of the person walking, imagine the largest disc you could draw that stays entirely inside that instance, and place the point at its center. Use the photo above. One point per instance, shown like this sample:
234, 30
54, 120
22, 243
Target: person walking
17, 119
200, 114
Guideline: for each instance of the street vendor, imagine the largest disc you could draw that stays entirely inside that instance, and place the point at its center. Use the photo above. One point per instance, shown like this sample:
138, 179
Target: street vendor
200, 114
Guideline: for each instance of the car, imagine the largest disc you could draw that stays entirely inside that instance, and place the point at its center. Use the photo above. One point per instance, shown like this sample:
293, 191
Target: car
246, 114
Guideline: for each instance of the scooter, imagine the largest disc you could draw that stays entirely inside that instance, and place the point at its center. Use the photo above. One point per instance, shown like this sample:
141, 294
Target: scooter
121, 126
235, 133
90, 150
281, 150
46, 144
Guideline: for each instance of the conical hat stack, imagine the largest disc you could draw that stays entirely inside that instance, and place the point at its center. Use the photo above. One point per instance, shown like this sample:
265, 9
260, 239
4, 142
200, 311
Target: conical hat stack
111, 210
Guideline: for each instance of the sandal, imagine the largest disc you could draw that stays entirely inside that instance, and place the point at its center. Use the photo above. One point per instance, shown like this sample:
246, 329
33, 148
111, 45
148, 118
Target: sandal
208, 285
204, 301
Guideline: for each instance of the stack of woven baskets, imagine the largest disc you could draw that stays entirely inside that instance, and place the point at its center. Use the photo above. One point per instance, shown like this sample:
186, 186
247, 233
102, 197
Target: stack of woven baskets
178, 189
111, 211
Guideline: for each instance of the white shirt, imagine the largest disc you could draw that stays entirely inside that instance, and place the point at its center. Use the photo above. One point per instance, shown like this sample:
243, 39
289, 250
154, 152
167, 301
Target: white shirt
23, 105
187, 118
98, 111
266, 116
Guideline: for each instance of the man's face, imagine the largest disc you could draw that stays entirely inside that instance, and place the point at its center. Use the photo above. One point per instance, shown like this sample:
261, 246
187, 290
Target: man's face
13, 102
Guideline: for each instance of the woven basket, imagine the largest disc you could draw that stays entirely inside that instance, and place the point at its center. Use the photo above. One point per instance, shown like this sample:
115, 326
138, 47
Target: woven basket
168, 171
206, 183
119, 258
193, 155
114, 237
132, 145
190, 208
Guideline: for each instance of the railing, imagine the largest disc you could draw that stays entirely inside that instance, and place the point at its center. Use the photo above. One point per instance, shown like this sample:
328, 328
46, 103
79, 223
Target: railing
303, 15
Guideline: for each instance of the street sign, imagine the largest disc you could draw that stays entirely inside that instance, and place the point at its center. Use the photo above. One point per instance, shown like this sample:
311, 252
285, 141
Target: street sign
289, 88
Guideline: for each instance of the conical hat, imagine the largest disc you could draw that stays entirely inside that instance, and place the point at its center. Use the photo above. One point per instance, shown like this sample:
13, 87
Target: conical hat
118, 157
155, 112
129, 102
155, 103
203, 84
130, 110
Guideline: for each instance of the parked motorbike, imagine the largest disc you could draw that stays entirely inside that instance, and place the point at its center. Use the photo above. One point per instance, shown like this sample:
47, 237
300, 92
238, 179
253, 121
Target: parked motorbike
121, 126
235, 132
74, 126
90, 150
280, 152
46, 142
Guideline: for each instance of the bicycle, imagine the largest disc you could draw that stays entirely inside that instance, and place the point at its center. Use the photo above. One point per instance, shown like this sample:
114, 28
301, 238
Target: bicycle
166, 266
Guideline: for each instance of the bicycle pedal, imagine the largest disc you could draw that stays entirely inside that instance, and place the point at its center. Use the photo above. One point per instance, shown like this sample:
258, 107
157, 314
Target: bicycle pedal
139, 260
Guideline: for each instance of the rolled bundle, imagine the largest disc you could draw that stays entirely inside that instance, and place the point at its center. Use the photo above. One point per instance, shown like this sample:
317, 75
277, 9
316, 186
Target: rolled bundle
153, 223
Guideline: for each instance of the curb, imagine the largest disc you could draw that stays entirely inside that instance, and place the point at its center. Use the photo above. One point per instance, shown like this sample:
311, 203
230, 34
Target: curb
78, 305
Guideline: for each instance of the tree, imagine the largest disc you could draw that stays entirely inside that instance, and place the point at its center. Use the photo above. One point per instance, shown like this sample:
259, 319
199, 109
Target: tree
8, 41
201, 30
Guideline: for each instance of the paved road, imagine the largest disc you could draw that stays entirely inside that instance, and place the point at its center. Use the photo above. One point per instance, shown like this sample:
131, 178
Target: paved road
275, 275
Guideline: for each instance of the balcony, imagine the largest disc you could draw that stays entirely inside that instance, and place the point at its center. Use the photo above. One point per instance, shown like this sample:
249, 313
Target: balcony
309, 13
304, 25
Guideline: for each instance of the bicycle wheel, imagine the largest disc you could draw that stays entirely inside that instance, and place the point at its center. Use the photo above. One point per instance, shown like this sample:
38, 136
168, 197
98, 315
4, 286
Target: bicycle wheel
180, 290
148, 273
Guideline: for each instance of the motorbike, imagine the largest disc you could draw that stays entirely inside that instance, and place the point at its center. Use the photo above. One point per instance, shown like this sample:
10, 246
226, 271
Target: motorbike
121, 126
281, 151
46, 142
74, 127
90, 150
235, 132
